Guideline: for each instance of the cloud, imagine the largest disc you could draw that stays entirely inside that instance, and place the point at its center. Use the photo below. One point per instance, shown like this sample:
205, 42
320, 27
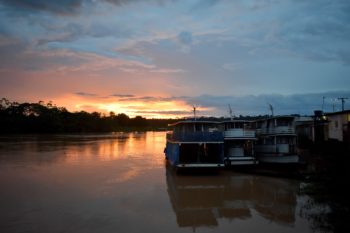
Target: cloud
230, 66
65, 7
67, 33
168, 71
59, 7
283, 104
174, 113
184, 39
122, 2
11, 50
123, 95
138, 46
86, 94
210, 105
318, 31
21, 56
204, 4
143, 98
156, 98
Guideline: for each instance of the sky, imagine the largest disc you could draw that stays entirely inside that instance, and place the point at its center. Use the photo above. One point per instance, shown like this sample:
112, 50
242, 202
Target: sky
159, 58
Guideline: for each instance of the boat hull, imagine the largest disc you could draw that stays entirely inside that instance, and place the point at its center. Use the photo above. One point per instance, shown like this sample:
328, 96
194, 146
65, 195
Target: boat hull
279, 159
242, 160
195, 154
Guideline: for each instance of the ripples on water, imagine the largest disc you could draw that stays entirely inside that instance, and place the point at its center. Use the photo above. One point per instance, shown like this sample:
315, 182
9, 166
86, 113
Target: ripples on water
121, 183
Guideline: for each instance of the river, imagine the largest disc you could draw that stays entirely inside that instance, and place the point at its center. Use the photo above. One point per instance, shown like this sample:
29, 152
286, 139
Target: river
120, 182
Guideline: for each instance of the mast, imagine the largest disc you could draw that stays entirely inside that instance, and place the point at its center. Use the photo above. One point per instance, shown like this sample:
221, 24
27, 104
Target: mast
342, 102
271, 108
194, 112
230, 112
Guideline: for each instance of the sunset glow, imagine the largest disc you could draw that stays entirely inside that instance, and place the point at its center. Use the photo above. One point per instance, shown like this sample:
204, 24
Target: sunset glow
159, 58
160, 107
173, 109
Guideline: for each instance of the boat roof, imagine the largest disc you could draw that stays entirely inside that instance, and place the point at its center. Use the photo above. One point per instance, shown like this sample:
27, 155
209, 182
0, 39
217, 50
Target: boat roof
237, 121
337, 113
277, 117
193, 122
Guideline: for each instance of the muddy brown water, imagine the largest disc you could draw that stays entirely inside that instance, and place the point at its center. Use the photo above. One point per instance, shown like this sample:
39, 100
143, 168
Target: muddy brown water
121, 183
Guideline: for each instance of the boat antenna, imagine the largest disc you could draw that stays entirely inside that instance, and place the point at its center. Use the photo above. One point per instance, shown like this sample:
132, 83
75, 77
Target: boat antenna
271, 108
323, 98
230, 111
342, 102
194, 112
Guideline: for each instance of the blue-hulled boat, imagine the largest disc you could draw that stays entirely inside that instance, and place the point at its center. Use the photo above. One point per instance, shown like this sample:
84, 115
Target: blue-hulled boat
194, 143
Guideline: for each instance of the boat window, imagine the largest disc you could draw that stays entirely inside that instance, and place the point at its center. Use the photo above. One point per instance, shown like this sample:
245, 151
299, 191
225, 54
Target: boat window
283, 122
258, 125
282, 140
285, 140
198, 127
269, 141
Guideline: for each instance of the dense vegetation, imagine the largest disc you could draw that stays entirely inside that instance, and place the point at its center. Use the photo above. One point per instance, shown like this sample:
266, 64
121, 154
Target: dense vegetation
48, 118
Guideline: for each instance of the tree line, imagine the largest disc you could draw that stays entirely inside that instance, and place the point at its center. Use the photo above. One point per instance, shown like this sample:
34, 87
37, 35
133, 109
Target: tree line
48, 118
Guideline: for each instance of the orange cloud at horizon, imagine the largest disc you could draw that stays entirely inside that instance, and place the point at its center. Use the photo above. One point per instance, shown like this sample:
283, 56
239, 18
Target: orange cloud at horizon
150, 107
88, 82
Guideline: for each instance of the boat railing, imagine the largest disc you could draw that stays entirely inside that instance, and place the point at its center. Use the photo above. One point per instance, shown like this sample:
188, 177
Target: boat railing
278, 148
195, 136
239, 133
276, 130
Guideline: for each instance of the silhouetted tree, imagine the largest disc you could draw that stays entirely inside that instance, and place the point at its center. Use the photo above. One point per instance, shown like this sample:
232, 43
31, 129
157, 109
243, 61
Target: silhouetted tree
48, 118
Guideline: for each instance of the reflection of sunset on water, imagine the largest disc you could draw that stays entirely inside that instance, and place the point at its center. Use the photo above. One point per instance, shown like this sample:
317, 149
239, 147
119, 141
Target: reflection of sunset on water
109, 182
118, 146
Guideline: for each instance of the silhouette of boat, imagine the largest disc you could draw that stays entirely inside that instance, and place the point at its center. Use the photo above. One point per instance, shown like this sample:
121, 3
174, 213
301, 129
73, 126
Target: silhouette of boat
195, 144
277, 140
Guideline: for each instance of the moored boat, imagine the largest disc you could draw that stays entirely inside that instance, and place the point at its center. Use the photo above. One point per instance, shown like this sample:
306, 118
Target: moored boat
277, 140
239, 138
194, 143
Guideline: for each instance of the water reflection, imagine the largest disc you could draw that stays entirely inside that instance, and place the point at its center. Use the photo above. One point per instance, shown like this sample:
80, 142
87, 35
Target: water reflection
79, 148
120, 183
204, 200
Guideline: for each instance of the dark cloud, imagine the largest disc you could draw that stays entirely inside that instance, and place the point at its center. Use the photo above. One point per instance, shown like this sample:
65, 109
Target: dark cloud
72, 31
319, 31
62, 7
121, 2
175, 113
11, 50
17, 54
185, 38
203, 5
123, 95
283, 104
258, 5
303, 104
85, 94
58, 7
144, 98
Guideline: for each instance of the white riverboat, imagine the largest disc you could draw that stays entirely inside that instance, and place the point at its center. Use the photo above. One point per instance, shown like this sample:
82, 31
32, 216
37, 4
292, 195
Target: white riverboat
239, 141
277, 140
